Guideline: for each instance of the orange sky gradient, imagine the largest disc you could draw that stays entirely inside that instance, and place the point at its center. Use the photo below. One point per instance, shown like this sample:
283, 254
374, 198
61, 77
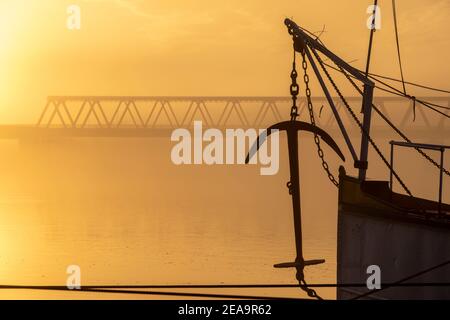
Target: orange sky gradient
137, 47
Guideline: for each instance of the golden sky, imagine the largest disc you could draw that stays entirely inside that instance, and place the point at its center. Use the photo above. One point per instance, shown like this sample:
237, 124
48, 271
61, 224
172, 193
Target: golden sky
206, 47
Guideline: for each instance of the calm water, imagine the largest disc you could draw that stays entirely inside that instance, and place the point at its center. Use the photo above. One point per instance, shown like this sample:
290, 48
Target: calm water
125, 214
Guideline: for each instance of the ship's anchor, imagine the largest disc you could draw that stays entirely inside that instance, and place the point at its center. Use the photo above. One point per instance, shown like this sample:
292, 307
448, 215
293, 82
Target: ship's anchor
292, 127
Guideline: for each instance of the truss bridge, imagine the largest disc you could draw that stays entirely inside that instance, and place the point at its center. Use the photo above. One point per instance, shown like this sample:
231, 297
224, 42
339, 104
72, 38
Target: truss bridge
147, 116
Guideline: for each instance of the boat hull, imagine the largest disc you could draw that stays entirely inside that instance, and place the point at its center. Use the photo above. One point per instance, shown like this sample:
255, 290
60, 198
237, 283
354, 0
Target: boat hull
376, 227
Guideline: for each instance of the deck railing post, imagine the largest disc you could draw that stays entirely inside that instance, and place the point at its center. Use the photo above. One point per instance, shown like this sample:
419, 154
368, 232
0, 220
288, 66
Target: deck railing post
392, 165
441, 174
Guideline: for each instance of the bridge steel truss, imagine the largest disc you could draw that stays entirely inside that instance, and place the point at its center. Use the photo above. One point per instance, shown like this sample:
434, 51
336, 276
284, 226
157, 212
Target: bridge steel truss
158, 112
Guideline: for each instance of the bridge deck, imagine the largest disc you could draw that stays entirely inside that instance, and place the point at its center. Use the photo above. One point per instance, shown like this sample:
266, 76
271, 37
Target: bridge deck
34, 132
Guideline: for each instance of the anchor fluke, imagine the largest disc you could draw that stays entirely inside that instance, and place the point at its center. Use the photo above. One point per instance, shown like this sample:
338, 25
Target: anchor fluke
294, 126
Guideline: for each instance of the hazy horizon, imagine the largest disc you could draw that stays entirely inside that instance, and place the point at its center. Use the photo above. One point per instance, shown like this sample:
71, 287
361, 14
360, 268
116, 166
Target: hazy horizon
200, 48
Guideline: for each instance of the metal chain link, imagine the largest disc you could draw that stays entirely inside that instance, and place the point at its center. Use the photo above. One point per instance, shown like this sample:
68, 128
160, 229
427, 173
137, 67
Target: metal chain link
294, 88
304, 286
310, 292
352, 113
401, 134
313, 122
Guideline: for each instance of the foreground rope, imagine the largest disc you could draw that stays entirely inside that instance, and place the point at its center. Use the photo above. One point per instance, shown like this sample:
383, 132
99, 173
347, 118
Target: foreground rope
403, 280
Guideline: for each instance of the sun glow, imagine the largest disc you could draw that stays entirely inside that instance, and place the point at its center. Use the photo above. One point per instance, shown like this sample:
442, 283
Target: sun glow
10, 20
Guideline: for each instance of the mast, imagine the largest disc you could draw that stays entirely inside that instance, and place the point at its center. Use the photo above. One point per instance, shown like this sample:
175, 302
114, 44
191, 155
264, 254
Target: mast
372, 31
367, 99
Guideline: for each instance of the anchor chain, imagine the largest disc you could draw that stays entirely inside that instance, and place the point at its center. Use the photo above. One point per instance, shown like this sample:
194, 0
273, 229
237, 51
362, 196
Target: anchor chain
313, 122
294, 88
310, 292
289, 186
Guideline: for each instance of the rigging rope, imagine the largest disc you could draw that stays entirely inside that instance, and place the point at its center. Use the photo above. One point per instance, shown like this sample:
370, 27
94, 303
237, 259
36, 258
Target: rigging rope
111, 289
223, 286
397, 92
373, 75
398, 46
320, 152
355, 118
125, 289
410, 83
404, 279
398, 131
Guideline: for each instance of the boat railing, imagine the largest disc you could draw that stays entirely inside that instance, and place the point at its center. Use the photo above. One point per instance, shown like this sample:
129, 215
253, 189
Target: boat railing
435, 147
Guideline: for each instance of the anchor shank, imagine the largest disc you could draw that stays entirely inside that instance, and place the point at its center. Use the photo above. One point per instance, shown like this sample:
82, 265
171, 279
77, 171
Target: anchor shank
295, 191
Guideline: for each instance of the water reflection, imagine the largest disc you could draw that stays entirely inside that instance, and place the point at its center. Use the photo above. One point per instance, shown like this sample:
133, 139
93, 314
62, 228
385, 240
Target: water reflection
125, 214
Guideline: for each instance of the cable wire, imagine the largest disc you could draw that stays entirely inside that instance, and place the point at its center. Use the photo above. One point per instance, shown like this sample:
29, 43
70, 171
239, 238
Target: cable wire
382, 76
364, 132
410, 83
395, 91
112, 289
398, 46
398, 131
403, 280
